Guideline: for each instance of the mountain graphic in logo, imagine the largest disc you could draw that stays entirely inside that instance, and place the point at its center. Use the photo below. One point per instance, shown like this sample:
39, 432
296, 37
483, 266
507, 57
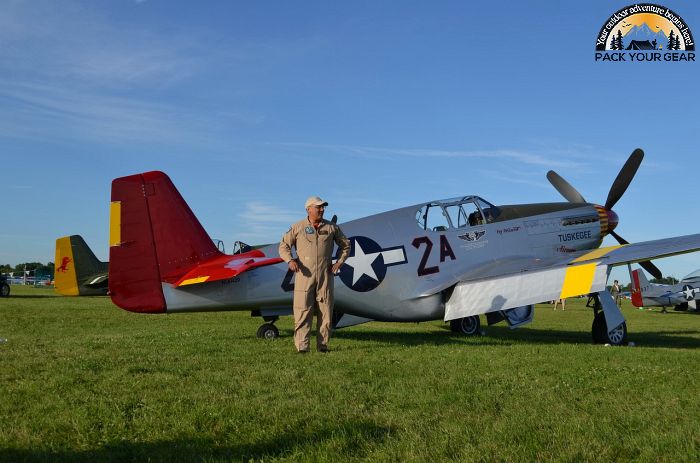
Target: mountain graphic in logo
644, 33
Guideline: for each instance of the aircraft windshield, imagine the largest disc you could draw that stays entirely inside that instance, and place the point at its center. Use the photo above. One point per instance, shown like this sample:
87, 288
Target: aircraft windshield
455, 213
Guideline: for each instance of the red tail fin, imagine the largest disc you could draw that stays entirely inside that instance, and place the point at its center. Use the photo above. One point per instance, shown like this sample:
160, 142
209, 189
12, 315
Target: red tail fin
636, 290
154, 238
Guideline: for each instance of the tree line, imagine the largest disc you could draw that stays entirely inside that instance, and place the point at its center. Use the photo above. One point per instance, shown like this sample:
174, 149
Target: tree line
34, 268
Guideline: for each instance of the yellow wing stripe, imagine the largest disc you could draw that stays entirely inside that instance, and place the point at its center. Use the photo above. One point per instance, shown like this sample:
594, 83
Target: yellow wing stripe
597, 253
578, 280
115, 223
192, 281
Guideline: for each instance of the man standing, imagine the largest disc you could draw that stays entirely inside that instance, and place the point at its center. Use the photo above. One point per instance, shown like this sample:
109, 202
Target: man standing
615, 292
313, 238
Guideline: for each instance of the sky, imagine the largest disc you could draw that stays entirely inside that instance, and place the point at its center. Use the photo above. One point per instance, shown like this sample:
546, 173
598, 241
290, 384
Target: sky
251, 107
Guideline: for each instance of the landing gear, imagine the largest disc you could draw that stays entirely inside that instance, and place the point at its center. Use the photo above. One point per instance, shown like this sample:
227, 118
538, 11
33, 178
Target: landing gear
4, 290
599, 329
468, 326
268, 331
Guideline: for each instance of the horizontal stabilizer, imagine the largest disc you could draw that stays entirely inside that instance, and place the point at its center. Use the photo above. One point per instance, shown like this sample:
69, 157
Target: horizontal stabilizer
225, 267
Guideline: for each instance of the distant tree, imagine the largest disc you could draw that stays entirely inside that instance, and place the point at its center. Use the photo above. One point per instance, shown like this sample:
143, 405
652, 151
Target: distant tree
613, 43
5, 268
678, 43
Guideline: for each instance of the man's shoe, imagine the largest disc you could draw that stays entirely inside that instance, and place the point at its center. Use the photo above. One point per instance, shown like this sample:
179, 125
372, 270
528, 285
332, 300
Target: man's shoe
323, 349
306, 351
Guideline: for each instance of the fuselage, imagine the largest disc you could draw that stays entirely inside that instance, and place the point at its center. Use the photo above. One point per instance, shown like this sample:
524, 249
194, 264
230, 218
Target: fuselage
402, 262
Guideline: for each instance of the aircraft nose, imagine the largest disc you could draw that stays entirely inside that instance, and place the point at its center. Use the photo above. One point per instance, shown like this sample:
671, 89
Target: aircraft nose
608, 220
613, 220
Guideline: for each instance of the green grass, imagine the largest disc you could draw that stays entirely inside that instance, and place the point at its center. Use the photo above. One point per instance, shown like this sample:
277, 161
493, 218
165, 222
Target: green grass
81, 380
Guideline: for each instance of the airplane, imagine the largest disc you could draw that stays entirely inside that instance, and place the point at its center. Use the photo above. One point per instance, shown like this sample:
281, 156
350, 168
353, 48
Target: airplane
683, 295
78, 271
452, 259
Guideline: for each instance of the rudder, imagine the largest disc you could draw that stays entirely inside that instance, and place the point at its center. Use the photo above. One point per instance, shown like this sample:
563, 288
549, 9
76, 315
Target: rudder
154, 238
65, 278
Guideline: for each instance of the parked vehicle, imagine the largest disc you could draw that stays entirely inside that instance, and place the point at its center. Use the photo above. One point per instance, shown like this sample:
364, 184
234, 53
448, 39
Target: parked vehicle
4, 287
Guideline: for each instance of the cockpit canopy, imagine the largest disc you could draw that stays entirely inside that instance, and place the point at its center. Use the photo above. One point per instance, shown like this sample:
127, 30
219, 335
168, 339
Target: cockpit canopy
455, 213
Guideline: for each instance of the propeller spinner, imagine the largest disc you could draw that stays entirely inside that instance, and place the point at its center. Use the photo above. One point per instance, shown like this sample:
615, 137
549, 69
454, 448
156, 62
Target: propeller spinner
617, 189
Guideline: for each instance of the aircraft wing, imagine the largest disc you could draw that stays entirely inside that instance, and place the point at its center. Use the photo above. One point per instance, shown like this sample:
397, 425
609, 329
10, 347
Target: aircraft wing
536, 280
225, 267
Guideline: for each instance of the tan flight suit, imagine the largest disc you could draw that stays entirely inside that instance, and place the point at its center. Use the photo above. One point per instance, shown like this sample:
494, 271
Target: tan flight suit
313, 283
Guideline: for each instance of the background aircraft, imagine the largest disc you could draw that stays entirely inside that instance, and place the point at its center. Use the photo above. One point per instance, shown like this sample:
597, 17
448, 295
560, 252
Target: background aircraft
450, 259
683, 295
78, 272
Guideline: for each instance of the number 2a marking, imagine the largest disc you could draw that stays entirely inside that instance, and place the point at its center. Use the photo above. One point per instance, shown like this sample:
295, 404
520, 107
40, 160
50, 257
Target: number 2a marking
422, 270
445, 252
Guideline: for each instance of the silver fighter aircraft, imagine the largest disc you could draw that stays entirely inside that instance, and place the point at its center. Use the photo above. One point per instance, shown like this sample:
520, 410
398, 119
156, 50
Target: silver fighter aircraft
452, 259
683, 295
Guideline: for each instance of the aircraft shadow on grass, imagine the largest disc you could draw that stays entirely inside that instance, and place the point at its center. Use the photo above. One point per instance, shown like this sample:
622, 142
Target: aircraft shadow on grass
504, 336
300, 438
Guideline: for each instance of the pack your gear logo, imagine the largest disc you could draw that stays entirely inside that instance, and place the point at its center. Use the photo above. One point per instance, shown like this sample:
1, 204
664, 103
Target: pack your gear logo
645, 32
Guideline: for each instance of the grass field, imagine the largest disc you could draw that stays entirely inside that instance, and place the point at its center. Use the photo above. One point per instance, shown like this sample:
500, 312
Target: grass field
81, 380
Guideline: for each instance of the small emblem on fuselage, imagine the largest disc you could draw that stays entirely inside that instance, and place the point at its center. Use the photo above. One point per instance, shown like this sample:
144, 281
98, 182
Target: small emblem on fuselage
472, 235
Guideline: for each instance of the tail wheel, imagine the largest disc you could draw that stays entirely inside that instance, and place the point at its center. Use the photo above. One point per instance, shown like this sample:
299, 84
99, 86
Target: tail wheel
601, 335
4, 290
467, 326
268, 331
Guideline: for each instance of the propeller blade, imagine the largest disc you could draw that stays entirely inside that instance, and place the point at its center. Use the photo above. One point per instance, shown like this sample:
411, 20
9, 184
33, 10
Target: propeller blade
624, 178
652, 269
565, 188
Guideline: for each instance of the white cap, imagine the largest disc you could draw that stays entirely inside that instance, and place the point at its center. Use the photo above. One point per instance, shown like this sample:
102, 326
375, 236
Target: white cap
314, 201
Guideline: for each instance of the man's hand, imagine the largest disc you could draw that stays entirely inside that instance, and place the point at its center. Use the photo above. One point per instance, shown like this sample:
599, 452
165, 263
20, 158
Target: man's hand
336, 267
293, 266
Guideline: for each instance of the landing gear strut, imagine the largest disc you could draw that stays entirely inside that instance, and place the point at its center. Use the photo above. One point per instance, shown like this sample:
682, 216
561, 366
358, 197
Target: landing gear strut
599, 330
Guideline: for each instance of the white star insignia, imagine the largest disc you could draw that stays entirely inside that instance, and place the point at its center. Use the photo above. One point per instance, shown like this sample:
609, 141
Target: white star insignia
689, 293
361, 263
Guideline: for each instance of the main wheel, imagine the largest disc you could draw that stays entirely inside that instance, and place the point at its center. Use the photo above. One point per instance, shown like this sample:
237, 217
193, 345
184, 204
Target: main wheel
468, 326
599, 330
268, 331
4, 290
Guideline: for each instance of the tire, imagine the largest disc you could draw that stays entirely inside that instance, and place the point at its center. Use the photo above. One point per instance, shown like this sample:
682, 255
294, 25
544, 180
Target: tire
599, 330
467, 326
268, 331
4, 290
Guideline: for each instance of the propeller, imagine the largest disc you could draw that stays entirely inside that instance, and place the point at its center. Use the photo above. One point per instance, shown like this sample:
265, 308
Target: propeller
618, 188
624, 178
565, 188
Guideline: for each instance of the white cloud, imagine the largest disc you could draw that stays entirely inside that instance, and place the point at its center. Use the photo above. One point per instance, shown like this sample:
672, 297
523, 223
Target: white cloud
523, 156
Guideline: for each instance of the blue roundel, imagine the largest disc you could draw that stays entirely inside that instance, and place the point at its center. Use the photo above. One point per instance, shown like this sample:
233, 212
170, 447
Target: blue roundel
364, 270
